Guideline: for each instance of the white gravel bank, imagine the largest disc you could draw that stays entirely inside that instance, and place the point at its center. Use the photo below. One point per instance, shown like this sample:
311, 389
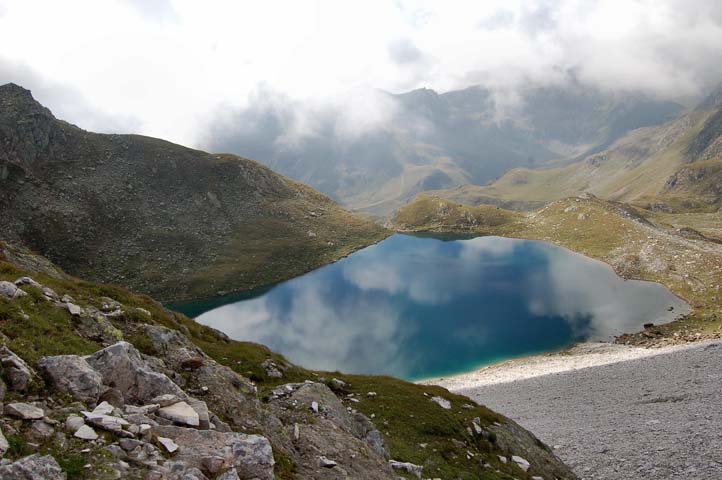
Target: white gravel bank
612, 411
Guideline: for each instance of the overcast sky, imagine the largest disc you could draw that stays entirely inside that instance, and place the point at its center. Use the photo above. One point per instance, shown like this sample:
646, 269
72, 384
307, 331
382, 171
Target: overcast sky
163, 67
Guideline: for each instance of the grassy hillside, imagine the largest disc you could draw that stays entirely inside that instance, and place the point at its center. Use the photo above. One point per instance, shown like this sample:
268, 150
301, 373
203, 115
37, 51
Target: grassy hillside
414, 428
156, 217
681, 251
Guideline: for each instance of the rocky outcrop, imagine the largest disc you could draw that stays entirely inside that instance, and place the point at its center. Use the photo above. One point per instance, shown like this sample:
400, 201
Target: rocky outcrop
122, 367
33, 467
71, 374
250, 455
345, 438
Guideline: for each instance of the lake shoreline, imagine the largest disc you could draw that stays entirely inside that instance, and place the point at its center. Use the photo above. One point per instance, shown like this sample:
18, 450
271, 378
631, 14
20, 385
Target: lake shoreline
576, 357
582, 401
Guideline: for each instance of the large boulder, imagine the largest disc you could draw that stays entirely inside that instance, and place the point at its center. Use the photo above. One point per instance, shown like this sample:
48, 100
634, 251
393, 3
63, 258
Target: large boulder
122, 367
33, 467
73, 375
336, 432
24, 411
14, 370
10, 290
231, 395
250, 455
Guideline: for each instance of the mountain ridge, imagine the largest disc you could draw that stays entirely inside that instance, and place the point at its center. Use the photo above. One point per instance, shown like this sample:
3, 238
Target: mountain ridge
674, 166
430, 140
157, 217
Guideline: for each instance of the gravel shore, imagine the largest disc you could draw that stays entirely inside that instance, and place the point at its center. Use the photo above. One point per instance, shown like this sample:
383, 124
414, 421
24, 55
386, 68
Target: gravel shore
612, 411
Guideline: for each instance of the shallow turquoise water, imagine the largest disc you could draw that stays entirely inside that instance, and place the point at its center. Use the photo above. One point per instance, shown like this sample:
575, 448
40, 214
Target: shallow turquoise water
418, 307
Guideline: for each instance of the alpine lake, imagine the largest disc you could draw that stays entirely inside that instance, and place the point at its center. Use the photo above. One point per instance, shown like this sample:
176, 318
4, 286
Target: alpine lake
419, 307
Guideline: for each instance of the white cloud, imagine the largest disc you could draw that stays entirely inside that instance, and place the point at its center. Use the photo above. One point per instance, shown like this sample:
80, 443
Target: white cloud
170, 63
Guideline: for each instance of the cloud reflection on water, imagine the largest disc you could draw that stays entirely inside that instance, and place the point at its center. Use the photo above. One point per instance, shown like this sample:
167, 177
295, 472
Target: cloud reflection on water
410, 306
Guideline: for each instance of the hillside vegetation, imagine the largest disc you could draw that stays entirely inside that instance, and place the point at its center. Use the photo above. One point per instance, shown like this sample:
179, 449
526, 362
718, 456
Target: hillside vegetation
681, 251
156, 217
301, 423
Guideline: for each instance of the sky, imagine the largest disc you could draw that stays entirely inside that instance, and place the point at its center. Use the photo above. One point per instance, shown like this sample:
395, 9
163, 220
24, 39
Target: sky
167, 67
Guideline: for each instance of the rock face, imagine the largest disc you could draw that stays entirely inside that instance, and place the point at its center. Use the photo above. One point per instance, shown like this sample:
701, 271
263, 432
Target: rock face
73, 375
122, 367
338, 434
15, 371
34, 467
250, 455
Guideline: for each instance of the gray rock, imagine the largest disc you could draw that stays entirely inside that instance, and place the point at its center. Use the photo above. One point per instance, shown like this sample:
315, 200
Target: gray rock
251, 455
407, 467
338, 384
230, 474
122, 367
523, 463
24, 411
96, 326
180, 412
33, 467
165, 400
74, 422
204, 420
324, 462
271, 368
106, 422
15, 371
27, 281
4, 445
10, 290
104, 408
73, 309
50, 294
73, 375
40, 431
129, 444
168, 444
442, 402
86, 433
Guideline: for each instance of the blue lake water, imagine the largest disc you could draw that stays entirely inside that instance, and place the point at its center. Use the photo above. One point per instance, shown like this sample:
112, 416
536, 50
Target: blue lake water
419, 307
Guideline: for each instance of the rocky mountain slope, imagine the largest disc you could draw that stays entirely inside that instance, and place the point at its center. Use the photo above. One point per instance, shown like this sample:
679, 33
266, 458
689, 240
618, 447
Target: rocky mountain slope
681, 251
99, 383
430, 141
157, 217
673, 167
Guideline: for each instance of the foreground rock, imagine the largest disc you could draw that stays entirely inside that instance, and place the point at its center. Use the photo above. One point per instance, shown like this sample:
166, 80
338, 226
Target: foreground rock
71, 374
34, 467
122, 367
250, 455
174, 412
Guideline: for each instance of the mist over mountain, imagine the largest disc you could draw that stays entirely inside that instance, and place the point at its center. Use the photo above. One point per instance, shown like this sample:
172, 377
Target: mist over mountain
375, 150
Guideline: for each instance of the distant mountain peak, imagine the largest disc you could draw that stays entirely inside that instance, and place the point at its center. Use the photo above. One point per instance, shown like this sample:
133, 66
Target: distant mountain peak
15, 98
